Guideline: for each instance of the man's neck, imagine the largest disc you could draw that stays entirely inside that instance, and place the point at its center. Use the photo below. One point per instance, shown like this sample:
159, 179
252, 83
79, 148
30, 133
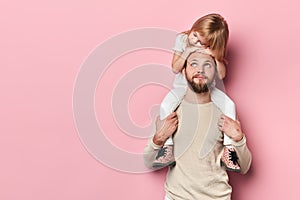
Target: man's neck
197, 98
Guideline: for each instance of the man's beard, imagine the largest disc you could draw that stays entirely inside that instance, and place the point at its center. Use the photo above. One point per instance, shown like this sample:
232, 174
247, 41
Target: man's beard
199, 87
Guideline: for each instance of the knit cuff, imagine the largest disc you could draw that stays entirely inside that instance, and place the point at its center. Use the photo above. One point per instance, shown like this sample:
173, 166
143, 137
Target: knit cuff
239, 143
154, 146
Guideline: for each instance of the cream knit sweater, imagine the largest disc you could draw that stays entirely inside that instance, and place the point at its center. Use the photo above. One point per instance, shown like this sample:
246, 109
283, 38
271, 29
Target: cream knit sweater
198, 146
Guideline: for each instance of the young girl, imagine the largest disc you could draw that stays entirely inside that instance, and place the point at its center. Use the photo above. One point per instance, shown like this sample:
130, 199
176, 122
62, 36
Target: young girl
210, 35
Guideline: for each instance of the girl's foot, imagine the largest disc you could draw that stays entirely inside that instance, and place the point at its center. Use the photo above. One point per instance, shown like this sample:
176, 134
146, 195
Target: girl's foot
165, 157
230, 159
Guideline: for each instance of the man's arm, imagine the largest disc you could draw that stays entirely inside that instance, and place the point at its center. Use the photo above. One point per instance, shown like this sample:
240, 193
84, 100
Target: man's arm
244, 155
232, 128
163, 130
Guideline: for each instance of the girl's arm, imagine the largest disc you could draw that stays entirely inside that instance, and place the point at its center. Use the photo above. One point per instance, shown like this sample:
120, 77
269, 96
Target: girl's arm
180, 57
177, 62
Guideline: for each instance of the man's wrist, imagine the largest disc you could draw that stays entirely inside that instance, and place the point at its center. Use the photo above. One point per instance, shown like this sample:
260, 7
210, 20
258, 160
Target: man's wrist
158, 139
155, 146
239, 143
239, 138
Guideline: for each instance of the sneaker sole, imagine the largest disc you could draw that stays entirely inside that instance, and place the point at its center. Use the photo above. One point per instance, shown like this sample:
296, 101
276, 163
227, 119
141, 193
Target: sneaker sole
161, 165
230, 169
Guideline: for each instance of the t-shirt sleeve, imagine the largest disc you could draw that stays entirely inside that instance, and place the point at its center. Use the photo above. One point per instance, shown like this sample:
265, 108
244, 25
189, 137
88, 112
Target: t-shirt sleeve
180, 43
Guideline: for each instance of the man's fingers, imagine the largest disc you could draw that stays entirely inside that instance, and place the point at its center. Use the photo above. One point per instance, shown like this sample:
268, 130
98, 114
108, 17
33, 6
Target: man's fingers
172, 115
221, 125
175, 122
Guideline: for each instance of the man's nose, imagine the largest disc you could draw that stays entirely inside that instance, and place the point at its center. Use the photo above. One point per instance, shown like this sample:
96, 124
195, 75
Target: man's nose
200, 69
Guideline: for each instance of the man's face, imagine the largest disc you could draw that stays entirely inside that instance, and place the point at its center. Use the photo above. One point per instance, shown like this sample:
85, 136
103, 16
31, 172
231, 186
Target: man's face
200, 72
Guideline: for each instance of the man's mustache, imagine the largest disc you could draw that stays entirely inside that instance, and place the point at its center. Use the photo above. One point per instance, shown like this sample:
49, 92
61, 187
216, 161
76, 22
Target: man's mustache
200, 76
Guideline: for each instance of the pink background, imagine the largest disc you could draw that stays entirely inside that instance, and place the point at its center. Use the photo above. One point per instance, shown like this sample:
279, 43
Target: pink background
43, 44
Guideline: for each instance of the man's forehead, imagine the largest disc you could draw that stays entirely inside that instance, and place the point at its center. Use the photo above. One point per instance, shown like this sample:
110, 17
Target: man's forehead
200, 56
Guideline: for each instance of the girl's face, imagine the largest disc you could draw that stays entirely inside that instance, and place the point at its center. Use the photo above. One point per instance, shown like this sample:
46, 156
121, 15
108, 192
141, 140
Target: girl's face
195, 39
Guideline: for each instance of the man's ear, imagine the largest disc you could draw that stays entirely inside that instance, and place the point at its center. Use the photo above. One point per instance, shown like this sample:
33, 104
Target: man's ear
183, 73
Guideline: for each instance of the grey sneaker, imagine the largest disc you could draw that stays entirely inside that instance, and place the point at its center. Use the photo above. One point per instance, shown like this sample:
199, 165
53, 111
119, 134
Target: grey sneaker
164, 157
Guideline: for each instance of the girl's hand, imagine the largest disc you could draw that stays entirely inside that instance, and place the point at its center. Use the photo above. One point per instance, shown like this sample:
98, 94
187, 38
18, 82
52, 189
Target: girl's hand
203, 50
190, 49
231, 128
206, 51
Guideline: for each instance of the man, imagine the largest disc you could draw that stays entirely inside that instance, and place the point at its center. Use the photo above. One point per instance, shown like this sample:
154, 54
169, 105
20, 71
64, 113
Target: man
197, 127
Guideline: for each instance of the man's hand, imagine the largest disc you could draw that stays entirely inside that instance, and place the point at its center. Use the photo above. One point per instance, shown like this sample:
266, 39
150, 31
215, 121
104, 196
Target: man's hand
231, 128
165, 128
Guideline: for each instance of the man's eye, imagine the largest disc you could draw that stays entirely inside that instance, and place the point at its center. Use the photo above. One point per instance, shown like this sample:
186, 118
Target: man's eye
207, 65
194, 64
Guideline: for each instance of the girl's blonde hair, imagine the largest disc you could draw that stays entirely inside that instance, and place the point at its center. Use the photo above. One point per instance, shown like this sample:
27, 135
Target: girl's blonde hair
214, 29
